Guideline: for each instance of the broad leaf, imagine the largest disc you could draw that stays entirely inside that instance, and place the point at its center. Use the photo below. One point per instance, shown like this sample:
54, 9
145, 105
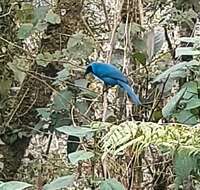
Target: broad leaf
186, 117
176, 71
80, 46
60, 183
186, 51
111, 184
192, 104
76, 131
81, 155
62, 100
14, 185
170, 107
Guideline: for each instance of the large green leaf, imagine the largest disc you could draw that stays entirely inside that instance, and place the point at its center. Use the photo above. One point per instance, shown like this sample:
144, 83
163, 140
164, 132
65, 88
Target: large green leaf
111, 184
81, 155
60, 183
195, 39
192, 104
14, 185
80, 46
170, 107
176, 71
77, 131
62, 100
186, 117
186, 51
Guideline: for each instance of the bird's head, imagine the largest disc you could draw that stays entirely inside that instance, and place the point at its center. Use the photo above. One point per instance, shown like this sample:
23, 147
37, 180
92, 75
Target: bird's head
88, 70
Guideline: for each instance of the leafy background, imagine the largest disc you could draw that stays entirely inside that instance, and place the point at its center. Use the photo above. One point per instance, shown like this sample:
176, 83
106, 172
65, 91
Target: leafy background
59, 130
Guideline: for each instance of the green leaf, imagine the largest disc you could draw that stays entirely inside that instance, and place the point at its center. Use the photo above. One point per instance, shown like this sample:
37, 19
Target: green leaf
192, 104
76, 131
176, 71
39, 14
25, 31
186, 51
61, 76
82, 106
170, 107
61, 182
44, 59
81, 155
80, 46
111, 184
44, 112
195, 39
184, 165
19, 66
53, 18
5, 85
62, 100
186, 117
140, 57
41, 26
14, 185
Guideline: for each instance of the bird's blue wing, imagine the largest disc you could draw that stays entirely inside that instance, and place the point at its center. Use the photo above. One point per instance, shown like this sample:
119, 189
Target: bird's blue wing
103, 70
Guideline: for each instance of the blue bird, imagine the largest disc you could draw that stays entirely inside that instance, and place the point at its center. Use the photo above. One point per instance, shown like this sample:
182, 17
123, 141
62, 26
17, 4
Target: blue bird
112, 76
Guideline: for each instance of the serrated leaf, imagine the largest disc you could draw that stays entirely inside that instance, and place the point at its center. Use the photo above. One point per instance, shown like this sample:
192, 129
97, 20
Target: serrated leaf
76, 131
14, 185
111, 184
59, 183
81, 155
53, 18
170, 107
25, 31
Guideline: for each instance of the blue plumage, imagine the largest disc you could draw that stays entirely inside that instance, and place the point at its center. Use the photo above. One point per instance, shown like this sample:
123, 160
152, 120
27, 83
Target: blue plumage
112, 76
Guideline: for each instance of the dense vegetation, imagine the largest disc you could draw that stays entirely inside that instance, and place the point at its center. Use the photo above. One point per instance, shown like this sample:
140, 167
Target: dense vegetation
61, 130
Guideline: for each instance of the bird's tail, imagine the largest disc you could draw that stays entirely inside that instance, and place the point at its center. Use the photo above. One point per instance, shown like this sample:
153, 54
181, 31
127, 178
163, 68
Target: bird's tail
134, 98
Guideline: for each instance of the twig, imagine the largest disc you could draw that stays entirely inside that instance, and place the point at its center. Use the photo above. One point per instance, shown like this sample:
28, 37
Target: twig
160, 98
9, 11
17, 107
106, 14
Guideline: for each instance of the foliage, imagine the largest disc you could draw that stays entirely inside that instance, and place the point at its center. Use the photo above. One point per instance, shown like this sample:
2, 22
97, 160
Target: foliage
17, 185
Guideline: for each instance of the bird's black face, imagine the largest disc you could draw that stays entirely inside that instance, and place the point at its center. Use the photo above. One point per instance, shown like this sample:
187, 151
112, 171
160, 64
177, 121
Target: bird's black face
88, 70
